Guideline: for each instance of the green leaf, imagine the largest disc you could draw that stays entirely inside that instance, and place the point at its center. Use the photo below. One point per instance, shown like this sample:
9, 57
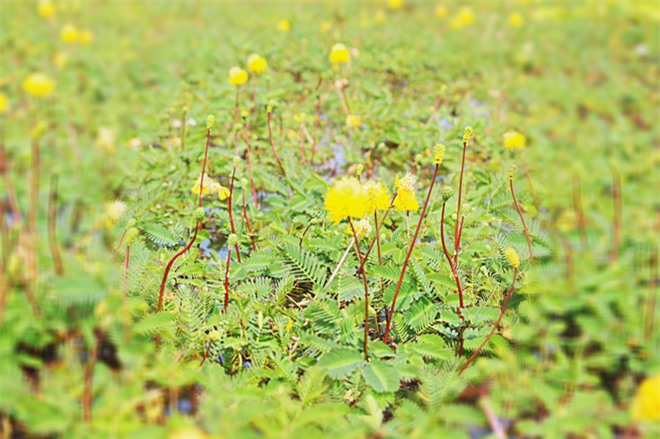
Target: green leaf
381, 376
340, 363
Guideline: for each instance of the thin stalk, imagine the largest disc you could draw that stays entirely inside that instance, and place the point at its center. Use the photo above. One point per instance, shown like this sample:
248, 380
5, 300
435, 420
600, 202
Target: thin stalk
52, 228
616, 216
366, 291
249, 160
247, 222
458, 206
230, 211
577, 205
89, 380
410, 250
272, 144
9, 186
338, 267
509, 293
382, 221
449, 260
651, 299
226, 283
124, 293
303, 158
522, 219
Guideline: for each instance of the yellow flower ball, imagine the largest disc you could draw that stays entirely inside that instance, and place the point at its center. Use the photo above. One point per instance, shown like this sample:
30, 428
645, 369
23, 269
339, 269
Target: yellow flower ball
39, 85
210, 186
514, 140
362, 228
353, 122
4, 103
376, 196
346, 198
256, 63
223, 193
339, 54
516, 20
284, 25
646, 404
70, 34
464, 18
86, 37
46, 9
395, 4
237, 76
405, 198
440, 11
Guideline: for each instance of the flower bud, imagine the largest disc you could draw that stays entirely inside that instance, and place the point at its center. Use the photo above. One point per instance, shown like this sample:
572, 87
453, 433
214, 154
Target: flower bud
232, 240
131, 234
271, 106
467, 134
359, 168
237, 161
210, 120
512, 171
439, 154
447, 193
244, 114
200, 213
131, 223
213, 335
511, 255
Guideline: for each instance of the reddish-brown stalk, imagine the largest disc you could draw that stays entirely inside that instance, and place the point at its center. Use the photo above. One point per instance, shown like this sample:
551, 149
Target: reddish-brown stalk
366, 290
651, 299
272, 144
230, 211
197, 227
226, 283
449, 260
378, 226
616, 216
89, 379
458, 206
9, 186
522, 219
124, 293
303, 158
249, 160
458, 243
410, 250
52, 228
577, 205
247, 222
509, 293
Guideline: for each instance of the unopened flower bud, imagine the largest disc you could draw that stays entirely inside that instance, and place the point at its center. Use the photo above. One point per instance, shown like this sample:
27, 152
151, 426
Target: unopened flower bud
439, 154
244, 114
131, 223
237, 161
232, 240
271, 106
131, 234
210, 120
200, 213
467, 134
511, 255
447, 193
213, 335
512, 171
359, 168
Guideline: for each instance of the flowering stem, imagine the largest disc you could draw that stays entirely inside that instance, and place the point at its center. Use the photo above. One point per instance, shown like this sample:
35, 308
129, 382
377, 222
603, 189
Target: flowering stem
272, 144
247, 222
366, 290
230, 210
522, 219
197, 227
509, 293
458, 206
410, 250
382, 221
52, 228
249, 160
616, 217
449, 260
577, 205
226, 284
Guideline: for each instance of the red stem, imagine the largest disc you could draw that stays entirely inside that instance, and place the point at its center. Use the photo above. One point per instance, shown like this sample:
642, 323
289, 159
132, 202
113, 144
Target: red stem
451, 264
230, 211
410, 250
247, 222
227, 280
522, 219
458, 206
509, 293
272, 144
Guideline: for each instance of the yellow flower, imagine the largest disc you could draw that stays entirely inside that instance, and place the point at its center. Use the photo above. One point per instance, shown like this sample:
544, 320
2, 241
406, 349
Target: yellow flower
284, 25
86, 37
511, 255
70, 34
325, 26
362, 228
210, 186
395, 4
514, 140
440, 11
114, 211
4, 103
516, 20
376, 196
464, 18
353, 122
405, 198
39, 85
46, 8
256, 63
346, 198
646, 404
237, 76
339, 54
223, 193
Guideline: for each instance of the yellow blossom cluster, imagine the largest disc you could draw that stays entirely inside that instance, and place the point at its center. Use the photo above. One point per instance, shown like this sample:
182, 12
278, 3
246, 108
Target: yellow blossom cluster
514, 140
349, 198
210, 186
405, 198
